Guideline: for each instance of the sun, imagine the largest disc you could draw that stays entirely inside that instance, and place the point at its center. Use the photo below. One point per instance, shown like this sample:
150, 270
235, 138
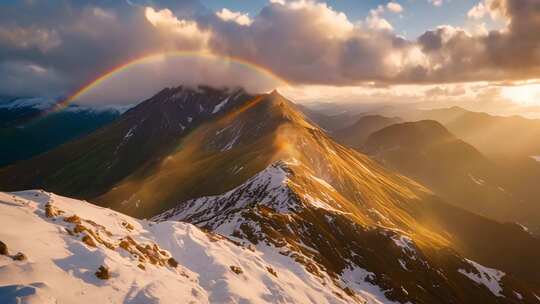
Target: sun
523, 94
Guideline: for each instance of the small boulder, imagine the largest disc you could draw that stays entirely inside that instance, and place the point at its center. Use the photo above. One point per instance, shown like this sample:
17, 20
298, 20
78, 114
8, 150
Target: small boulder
51, 211
236, 269
172, 262
73, 219
103, 273
88, 240
3, 248
271, 271
19, 257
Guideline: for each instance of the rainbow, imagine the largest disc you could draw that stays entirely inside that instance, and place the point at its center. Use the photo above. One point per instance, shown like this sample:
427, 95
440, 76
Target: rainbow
62, 104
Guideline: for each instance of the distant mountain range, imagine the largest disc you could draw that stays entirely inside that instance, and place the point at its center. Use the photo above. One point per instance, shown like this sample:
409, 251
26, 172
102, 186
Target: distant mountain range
25, 132
255, 173
495, 136
428, 152
356, 134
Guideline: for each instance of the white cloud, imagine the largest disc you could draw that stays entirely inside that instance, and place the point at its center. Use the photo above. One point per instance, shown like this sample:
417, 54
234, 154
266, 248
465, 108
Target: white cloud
188, 31
488, 8
436, 2
394, 7
478, 11
238, 17
375, 21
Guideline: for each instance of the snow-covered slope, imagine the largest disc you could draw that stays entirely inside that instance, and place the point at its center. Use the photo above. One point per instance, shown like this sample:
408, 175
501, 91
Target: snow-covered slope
65, 242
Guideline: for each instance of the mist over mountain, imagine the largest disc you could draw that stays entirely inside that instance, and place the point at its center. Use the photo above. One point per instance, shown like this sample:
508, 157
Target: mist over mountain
428, 152
485, 132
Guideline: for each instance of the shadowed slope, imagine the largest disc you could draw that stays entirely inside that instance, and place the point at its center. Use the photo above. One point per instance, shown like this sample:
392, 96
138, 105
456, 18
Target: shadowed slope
92, 165
453, 169
356, 135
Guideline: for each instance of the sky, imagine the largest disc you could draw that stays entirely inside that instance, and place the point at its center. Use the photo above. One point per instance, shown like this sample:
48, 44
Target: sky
484, 53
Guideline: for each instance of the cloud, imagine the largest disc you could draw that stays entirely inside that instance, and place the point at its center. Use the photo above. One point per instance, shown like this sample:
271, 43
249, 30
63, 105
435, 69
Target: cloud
154, 74
187, 32
376, 22
36, 80
478, 11
394, 7
240, 18
29, 37
436, 2
306, 42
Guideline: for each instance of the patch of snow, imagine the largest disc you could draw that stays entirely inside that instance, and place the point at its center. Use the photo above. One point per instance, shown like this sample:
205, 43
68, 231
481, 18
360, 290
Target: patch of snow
379, 216
404, 242
477, 180
219, 106
523, 227
486, 276
536, 157
130, 132
355, 278
317, 203
323, 182
236, 169
403, 264
233, 141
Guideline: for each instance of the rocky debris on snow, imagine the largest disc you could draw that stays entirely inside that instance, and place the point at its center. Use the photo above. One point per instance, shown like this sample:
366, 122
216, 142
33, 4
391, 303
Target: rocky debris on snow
103, 273
51, 211
236, 269
19, 256
3, 248
172, 262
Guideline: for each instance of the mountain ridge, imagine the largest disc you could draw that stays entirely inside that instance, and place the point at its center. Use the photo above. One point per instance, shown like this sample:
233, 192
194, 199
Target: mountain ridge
260, 173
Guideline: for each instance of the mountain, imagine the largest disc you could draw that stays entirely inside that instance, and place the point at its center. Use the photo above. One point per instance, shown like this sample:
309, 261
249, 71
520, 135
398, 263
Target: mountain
91, 165
521, 135
329, 122
15, 111
24, 134
427, 152
356, 134
65, 242
260, 174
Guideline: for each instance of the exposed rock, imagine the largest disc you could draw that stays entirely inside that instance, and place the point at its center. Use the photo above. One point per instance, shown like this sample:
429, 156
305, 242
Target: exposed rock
19, 257
236, 269
128, 226
3, 248
103, 273
172, 262
88, 240
73, 219
51, 211
271, 271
